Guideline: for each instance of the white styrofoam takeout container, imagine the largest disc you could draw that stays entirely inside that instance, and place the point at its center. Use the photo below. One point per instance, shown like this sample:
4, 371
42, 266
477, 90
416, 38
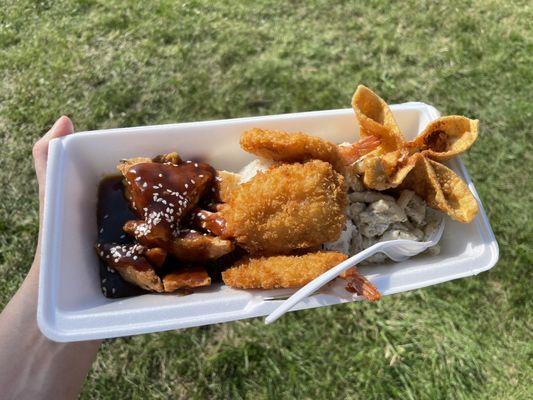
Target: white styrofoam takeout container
71, 306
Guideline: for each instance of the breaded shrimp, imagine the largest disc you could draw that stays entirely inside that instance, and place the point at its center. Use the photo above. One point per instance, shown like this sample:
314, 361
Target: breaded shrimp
290, 147
225, 184
280, 271
288, 207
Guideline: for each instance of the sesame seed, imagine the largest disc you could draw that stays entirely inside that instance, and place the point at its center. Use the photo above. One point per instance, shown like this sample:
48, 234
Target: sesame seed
160, 175
101, 230
106, 216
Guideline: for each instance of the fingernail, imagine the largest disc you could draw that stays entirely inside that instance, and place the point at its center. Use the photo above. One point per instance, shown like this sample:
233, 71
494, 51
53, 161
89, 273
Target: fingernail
58, 121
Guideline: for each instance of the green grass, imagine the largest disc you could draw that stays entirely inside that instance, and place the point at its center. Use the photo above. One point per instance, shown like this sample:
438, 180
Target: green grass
109, 65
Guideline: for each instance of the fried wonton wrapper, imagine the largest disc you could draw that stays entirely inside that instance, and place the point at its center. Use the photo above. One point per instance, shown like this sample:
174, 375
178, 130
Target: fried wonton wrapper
441, 188
447, 137
376, 119
398, 163
280, 271
290, 147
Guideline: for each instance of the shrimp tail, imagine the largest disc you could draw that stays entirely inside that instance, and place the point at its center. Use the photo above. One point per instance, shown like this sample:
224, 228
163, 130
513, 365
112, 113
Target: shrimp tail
358, 284
351, 153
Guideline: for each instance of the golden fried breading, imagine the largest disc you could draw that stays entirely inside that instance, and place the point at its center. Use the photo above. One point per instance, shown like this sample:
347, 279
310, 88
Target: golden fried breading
290, 147
280, 271
172, 158
225, 183
288, 207
188, 277
124, 165
193, 246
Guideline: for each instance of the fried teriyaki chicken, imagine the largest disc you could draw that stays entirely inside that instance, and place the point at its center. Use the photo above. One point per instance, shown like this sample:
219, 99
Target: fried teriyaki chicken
162, 193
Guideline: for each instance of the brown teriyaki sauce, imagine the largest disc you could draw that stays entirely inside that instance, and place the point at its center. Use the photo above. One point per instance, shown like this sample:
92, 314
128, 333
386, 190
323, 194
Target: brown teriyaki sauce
112, 213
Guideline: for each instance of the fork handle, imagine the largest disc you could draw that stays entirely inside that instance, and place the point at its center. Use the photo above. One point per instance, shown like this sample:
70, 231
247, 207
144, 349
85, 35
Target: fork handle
320, 281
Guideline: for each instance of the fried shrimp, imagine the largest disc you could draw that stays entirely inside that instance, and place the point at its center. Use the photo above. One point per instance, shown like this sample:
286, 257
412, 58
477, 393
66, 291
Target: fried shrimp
290, 147
280, 271
288, 207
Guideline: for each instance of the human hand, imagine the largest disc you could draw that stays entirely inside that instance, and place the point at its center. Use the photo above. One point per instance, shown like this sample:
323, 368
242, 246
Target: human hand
54, 370
62, 127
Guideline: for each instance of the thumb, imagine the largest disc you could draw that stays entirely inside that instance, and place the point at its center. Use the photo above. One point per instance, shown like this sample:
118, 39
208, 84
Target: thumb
62, 127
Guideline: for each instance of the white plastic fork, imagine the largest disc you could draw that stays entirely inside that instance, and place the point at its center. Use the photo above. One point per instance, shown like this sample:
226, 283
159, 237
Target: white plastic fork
397, 250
